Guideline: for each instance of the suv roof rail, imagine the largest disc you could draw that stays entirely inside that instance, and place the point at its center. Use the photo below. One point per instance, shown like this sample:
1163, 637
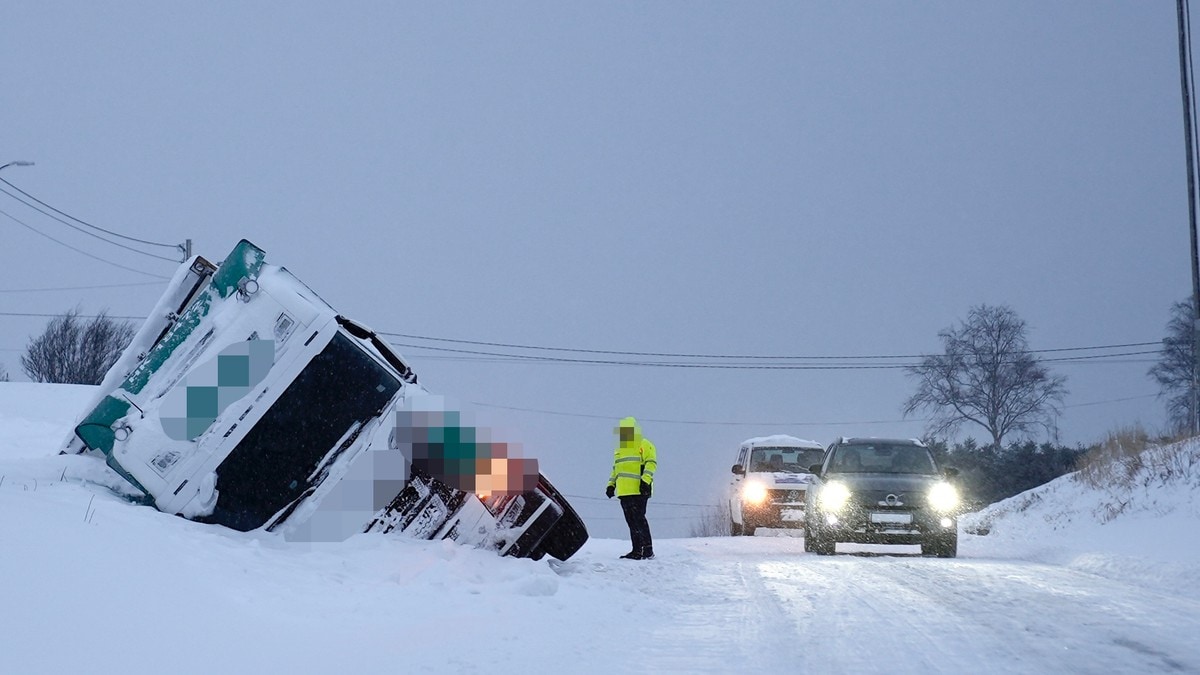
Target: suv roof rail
852, 439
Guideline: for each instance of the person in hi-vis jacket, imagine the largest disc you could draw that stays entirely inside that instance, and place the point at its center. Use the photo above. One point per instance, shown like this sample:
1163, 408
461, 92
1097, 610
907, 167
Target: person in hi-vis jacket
634, 462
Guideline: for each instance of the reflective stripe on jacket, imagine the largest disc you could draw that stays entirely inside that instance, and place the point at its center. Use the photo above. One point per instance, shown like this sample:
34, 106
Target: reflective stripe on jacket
634, 462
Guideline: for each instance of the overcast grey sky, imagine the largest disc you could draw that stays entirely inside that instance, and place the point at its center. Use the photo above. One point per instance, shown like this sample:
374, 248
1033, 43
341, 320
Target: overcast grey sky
792, 178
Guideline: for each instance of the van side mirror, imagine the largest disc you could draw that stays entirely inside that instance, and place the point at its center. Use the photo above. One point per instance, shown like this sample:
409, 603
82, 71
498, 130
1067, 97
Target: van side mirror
739, 469
814, 469
949, 472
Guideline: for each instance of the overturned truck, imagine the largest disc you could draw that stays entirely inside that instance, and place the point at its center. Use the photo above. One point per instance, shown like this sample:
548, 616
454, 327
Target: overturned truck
246, 401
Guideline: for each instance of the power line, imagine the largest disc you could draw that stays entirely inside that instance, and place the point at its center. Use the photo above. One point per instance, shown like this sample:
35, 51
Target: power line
766, 424
655, 502
79, 288
1099, 356
1112, 400
80, 229
85, 223
84, 316
529, 358
93, 257
724, 423
658, 364
743, 366
728, 356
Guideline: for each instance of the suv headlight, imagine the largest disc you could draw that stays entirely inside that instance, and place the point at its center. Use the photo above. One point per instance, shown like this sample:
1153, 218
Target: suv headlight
833, 496
943, 497
754, 492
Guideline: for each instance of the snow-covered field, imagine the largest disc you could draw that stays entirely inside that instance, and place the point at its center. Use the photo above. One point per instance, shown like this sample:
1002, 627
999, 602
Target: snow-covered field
91, 583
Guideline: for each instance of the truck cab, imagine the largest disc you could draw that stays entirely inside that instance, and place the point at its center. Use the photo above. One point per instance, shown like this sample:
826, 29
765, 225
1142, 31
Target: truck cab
770, 482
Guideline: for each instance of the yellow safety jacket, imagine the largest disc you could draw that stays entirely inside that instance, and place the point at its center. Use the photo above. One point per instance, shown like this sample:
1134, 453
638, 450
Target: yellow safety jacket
634, 462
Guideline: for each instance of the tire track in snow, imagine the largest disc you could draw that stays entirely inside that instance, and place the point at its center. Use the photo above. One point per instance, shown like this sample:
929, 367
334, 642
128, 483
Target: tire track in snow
724, 613
901, 615
1077, 621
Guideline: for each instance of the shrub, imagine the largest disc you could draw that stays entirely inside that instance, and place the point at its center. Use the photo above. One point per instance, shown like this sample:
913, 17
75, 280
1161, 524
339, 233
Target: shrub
74, 351
712, 523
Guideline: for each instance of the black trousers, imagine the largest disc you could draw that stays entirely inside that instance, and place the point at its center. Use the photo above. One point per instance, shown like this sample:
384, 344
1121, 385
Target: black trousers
634, 507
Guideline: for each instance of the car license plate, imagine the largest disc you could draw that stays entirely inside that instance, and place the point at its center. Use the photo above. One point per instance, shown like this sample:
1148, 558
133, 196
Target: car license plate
900, 518
791, 514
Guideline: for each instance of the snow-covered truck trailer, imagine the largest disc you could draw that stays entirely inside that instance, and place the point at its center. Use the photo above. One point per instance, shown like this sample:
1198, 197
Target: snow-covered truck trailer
246, 401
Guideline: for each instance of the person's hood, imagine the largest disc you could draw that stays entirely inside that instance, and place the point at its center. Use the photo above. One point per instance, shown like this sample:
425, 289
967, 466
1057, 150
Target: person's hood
629, 423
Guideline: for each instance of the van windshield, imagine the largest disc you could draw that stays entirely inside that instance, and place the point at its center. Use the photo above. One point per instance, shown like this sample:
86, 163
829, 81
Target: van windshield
785, 459
271, 467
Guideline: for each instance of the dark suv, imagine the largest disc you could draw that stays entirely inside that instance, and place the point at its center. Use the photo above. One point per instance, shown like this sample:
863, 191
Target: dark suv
882, 491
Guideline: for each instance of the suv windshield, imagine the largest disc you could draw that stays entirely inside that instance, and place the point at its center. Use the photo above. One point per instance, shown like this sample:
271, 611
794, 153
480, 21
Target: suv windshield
273, 464
790, 460
881, 458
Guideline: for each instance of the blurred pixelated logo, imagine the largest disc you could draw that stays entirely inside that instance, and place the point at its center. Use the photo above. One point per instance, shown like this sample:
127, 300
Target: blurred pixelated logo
191, 407
445, 444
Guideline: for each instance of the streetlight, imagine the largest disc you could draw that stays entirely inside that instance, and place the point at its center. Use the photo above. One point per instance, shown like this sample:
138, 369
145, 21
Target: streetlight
16, 163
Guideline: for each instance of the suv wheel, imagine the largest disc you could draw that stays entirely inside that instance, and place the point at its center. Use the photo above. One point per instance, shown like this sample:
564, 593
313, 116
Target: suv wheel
945, 546
819, 545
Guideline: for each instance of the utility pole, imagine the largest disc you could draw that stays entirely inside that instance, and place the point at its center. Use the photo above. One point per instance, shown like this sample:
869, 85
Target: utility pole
186, 248
1185, 58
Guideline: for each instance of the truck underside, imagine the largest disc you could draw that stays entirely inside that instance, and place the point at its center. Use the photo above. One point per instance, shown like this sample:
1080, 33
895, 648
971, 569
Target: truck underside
246, 401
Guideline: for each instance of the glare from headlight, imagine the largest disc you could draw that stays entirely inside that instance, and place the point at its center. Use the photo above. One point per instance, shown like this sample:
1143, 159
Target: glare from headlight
754, 493
943, 497
833, 496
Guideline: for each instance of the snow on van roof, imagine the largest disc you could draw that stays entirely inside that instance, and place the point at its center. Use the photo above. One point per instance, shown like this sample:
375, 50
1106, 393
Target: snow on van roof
780, 441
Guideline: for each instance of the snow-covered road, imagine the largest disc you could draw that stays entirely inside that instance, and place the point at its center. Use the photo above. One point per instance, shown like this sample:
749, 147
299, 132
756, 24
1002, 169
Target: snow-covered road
765, 604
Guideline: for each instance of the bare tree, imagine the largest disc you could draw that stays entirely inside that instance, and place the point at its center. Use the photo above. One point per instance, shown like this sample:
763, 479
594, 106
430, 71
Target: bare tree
986, 376
3, 373
1175, 370
75, 351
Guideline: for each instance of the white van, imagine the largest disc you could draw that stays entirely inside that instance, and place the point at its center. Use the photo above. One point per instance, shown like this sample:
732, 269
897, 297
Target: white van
770, 482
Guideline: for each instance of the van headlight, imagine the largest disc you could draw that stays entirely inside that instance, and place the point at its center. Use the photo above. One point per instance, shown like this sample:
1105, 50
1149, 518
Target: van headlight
943, 497
754, 492
833, 496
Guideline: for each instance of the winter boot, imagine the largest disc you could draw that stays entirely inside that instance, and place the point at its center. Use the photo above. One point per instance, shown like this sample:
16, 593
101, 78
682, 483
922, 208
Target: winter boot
647, 553
632, 555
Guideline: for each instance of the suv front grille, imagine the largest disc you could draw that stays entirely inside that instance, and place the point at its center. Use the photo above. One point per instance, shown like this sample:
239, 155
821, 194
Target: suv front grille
791, 497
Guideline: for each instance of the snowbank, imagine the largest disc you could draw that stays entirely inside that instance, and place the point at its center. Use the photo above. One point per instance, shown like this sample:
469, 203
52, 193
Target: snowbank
1140, 527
